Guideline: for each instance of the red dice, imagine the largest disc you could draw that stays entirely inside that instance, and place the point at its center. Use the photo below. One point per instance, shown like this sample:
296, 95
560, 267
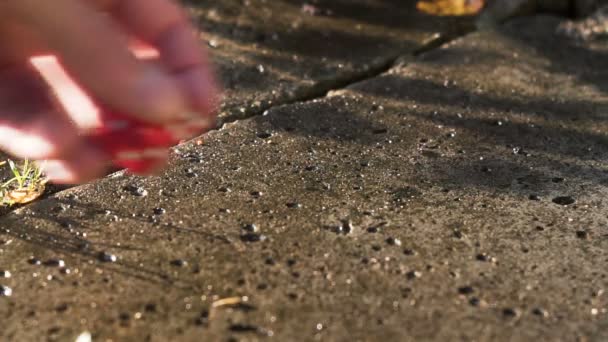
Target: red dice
132, 144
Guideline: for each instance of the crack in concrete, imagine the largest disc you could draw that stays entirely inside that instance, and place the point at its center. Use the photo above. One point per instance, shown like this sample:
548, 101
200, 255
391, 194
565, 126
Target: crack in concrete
322, 88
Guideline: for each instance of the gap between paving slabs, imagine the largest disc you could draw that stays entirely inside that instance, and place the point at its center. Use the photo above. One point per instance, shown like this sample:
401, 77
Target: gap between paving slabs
304, 94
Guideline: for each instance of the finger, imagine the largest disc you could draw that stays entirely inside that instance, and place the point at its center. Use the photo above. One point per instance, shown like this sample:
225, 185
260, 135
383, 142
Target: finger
92, 50
202, 93
41, 138
164, 25
86, 164
18, 42
32, 125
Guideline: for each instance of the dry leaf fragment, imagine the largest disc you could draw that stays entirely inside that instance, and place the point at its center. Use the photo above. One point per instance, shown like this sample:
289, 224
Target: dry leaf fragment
25, 195
450, 7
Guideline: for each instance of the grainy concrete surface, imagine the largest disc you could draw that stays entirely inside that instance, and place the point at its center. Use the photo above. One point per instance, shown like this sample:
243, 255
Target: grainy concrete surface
458, 196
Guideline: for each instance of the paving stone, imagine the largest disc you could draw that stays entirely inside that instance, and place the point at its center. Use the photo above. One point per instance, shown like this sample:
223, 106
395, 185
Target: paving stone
273, 52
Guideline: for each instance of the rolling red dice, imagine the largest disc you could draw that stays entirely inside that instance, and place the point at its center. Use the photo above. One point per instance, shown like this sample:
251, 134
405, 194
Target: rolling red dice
132, 144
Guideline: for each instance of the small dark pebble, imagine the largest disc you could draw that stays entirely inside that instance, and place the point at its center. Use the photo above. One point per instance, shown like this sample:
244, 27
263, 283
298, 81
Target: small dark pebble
344, 228
564, 200
262, 286
264, 135
413, 275
202, 321
243, 328
582, 234
540, 312
66, 224
61, 307
510, 312
59, 208
485, 257
408, 251
34, 261
251, 227
253, 237
159, 211
380, 131
474, 301
465, 290
393, 241
106, 257
179, 262
54, 263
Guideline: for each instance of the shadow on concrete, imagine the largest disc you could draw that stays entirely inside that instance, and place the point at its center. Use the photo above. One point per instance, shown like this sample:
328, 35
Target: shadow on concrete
64, 236
559, 137
295, 46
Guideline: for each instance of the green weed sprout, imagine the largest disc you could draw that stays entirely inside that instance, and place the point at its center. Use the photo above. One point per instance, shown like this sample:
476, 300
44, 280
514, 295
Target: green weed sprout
27, 183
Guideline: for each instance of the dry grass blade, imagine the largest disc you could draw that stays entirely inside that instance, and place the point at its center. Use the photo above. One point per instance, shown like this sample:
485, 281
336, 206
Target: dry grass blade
226, 302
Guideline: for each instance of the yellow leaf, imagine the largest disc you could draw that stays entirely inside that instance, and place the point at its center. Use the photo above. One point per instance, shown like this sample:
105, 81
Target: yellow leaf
450, 7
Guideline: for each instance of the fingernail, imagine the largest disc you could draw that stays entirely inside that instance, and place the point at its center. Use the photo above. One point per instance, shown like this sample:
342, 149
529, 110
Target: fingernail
25, 145
160, 97
189, 129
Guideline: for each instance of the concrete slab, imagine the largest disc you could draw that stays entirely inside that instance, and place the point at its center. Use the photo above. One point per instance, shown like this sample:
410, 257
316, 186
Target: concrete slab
459, 196
274, 52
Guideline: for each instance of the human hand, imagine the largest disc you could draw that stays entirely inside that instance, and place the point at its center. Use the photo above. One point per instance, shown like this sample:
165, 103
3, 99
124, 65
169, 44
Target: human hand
90, 38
